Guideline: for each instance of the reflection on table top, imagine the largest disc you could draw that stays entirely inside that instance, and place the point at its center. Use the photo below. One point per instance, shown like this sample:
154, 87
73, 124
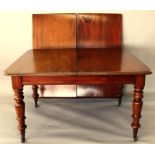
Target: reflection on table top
96, 61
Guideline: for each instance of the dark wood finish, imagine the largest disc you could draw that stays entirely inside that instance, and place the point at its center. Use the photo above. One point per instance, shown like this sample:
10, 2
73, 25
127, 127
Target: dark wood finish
92, 57
123, 73
78, 79
46, 62
109, 61
35, 94
90, 62
104, 91
98, 91
83, 91
137, 80
54, 31
47, 34
57, 91
19, 105
137, 103
99, 30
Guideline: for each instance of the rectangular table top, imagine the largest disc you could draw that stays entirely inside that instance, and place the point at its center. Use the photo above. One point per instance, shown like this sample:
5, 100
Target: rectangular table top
64, 62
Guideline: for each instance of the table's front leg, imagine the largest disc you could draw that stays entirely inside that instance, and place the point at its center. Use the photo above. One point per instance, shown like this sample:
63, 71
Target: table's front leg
137, 103
19, 105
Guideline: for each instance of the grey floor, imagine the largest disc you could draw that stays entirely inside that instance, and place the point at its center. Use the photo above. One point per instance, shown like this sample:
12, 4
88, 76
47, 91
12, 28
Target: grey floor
77, 120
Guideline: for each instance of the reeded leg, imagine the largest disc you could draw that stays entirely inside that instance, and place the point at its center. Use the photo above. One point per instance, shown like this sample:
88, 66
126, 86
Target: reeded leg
19, 105
35, 94
137, 104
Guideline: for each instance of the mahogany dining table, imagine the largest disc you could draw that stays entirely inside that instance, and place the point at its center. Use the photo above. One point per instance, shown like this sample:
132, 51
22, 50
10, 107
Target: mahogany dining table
114, 65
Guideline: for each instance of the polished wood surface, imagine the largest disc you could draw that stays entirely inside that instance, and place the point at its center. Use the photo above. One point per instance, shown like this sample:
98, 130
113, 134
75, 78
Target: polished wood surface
19, 81
54, 31
137, 104
55, 62
19, 105
108, 91
99, 30
78, 79
68, 91
82, 51
109, 61
45, 62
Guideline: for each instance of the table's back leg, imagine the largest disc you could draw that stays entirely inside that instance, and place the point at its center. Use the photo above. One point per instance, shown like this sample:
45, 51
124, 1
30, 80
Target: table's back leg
120, 95
137, 104
120, 100
19, 105
42, 90
35, 94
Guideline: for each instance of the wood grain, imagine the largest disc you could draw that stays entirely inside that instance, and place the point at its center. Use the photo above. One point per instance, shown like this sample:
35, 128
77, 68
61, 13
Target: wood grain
103, 90
78, 79
99, 30
81, 91
109, 61
54, 31
19, 105
137, 103
53, 62
83, 50
46, 62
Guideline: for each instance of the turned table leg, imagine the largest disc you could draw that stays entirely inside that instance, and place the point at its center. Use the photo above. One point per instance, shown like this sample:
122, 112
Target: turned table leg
137, 104
35, 94
19, 105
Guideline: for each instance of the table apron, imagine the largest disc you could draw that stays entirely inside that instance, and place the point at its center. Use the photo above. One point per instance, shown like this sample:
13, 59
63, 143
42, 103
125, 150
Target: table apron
62, 80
